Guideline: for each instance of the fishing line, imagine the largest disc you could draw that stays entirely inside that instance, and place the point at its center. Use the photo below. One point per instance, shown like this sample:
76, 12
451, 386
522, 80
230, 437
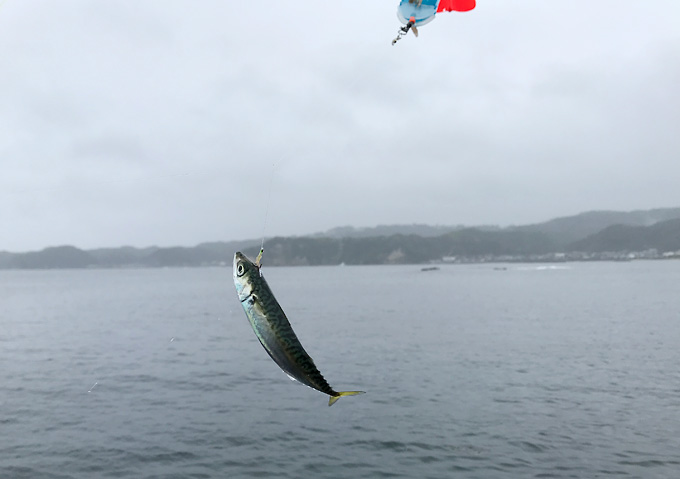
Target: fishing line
269, 197
258, 261
351, 89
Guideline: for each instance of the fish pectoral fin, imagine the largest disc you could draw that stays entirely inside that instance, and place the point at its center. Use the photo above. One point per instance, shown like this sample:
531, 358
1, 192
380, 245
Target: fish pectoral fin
257, 305
333, 399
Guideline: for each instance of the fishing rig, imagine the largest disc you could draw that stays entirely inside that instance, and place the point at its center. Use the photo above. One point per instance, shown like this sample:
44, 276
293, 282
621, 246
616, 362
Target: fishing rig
411, 25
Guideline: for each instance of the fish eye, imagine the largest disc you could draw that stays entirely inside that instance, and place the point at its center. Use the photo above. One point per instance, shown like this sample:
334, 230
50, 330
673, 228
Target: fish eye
240, 269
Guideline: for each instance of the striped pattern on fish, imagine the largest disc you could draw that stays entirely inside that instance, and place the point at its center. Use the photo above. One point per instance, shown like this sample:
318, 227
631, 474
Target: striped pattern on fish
274, 331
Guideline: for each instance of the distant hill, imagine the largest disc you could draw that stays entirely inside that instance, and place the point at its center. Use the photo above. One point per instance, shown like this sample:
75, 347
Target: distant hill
663, 236
402, 249
426, 231
204, 254
5, 259
562, 231
64, 257
567, 230
127, 255
591, 232
58, 257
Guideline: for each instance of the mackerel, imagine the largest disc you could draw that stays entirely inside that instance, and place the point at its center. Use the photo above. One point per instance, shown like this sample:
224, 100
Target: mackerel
274, 331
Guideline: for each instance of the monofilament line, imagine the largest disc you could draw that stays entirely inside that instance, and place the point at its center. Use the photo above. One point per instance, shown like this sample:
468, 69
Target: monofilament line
266, 212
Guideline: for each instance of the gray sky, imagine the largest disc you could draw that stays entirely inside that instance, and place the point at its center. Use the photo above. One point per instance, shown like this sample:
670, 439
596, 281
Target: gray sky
165, 122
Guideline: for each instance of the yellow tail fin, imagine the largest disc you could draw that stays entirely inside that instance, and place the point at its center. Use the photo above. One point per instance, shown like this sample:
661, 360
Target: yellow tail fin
332, 399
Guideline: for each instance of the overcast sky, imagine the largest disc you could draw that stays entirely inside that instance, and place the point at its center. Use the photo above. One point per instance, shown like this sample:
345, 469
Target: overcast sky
165, 122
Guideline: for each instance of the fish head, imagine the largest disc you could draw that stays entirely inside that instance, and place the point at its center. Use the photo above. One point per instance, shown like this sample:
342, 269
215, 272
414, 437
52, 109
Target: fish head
245, 272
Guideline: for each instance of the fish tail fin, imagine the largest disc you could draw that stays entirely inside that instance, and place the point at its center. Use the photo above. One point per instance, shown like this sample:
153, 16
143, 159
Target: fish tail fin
333, 399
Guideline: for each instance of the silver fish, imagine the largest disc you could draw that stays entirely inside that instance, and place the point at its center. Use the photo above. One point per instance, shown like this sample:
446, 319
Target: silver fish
274, 331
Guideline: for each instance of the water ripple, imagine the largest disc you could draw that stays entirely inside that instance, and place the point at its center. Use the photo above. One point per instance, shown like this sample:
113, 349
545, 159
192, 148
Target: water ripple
553, 378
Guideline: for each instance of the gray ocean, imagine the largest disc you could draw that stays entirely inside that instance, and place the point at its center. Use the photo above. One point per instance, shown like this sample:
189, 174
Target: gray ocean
471, 371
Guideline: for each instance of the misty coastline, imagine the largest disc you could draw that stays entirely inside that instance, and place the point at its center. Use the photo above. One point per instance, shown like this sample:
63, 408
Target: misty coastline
590, 236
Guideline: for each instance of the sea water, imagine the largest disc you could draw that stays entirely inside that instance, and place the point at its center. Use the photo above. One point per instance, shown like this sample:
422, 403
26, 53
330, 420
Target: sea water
471, 371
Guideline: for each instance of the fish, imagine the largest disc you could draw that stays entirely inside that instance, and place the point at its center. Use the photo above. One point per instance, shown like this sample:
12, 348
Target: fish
274, 331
